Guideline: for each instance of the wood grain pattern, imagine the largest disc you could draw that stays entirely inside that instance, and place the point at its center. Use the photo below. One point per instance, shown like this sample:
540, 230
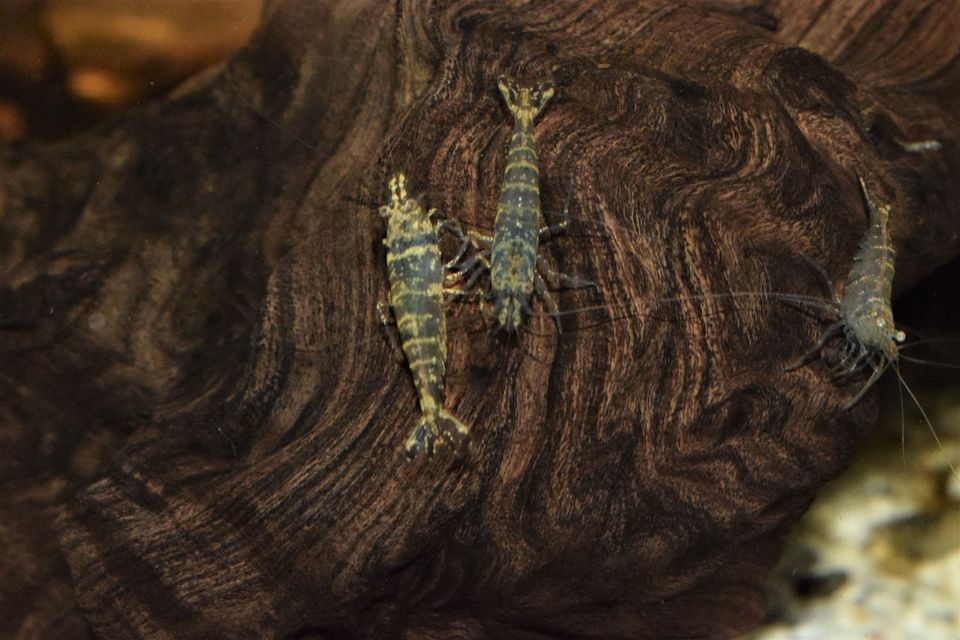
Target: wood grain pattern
193, 384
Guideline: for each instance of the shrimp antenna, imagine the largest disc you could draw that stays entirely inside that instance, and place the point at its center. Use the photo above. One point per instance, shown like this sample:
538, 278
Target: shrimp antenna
932, 363
310, 146
903, 430
800, 299
877, 372
921, 341
923, 413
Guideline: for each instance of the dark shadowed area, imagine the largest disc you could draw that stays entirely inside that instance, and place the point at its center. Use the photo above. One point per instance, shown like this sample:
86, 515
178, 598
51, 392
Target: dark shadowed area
201, 423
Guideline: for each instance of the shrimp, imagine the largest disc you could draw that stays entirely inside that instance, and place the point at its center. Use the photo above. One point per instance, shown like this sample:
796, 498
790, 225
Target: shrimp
511, 254
863, 314
864, 310
416, 298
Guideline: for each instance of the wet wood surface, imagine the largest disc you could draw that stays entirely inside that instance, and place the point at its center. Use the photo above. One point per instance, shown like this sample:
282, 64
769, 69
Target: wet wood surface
201, 421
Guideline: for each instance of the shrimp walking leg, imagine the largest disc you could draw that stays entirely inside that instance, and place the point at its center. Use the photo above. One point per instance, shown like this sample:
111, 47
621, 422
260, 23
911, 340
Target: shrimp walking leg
563, 280
814, 351
560, 227
389, 325
453, 226
541, 288
878, 371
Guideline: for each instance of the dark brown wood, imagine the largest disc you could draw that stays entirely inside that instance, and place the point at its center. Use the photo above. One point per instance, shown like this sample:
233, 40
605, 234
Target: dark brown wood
201, 420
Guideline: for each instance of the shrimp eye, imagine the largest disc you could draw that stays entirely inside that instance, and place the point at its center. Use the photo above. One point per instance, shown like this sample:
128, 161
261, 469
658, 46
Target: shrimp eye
899, 336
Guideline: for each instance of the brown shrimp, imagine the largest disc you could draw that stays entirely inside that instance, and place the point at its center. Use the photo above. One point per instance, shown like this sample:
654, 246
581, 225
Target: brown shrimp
864, 310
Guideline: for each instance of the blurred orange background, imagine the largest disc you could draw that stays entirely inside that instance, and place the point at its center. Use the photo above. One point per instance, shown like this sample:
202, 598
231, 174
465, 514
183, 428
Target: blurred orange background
66, 64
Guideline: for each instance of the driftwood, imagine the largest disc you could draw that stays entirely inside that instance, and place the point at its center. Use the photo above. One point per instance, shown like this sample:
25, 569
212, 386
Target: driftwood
201, 421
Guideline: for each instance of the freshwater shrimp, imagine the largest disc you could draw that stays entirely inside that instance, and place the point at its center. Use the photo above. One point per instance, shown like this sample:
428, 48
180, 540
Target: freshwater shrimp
871, 338
863, 314
864, 310
512, 253
416, 298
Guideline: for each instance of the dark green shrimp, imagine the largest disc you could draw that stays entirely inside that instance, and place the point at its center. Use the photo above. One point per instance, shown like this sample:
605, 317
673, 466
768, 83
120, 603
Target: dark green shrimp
512, 253
417, 300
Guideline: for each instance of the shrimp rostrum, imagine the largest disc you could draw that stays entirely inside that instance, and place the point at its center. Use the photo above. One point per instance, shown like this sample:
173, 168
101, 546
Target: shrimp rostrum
416, 298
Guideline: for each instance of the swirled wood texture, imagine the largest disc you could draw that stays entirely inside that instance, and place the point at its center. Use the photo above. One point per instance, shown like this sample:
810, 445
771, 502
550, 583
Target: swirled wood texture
201, 423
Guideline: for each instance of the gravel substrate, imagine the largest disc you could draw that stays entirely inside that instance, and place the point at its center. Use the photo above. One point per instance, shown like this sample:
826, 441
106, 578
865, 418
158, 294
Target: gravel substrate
877, 557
